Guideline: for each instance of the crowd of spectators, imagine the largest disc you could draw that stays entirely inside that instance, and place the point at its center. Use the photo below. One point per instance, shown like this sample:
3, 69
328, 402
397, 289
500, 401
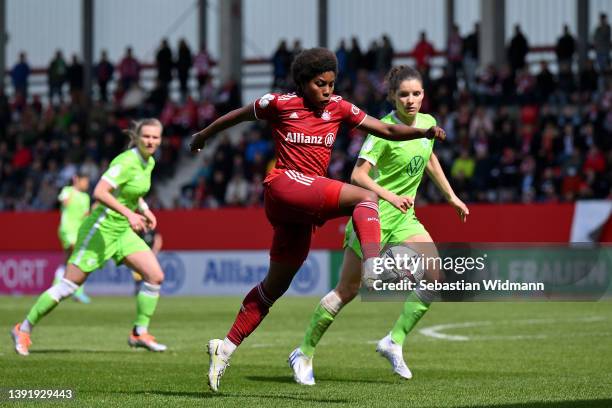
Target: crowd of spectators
519, 132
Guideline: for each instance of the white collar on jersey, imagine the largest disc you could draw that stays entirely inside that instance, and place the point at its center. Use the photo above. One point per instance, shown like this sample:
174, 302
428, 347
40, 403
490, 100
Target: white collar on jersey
398, 120
137, 152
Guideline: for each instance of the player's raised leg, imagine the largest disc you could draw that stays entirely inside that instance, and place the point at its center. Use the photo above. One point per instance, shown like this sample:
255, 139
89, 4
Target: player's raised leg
44, 305
414, 309
146, 264
300, 360
362, 205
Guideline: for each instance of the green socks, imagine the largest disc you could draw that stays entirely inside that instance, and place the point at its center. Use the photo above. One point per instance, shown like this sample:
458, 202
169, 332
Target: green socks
44, 304
321, 320
414, 309
146, 302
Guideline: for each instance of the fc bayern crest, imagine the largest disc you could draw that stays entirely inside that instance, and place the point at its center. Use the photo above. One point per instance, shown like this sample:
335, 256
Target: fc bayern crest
329, 139
326, 115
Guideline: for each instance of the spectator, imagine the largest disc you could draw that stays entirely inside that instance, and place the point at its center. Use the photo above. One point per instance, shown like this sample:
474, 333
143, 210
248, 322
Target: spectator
20, 74
281, 61
342, 57
355, 59
454, 50
183, 66
566, 47
588, 77
129, 70
237, 191
202, 64
517, 50
56, 77
74, 74
296, 49
471, 56
601, 42
163, 63
369, 61
545, 83
385, 55
423, 52
104, 74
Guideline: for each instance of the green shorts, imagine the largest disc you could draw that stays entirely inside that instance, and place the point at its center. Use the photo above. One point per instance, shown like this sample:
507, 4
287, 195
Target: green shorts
100, 240
401, 231
68, 237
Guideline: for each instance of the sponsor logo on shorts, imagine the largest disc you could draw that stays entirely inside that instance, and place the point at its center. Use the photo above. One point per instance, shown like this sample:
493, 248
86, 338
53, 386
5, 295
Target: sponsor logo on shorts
174, 272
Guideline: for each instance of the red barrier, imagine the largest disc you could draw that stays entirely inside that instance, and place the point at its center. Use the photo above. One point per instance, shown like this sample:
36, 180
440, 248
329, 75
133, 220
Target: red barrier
249, 229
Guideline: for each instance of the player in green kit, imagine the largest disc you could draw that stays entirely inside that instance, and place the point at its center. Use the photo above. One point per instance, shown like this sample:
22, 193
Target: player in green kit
75, 203
399, 167
111, 231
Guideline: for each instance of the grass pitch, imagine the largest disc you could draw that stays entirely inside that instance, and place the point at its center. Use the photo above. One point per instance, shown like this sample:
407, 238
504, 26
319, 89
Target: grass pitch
478, 354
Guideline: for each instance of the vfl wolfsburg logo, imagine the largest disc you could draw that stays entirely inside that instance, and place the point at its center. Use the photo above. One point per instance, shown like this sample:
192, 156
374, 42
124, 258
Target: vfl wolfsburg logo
415, 165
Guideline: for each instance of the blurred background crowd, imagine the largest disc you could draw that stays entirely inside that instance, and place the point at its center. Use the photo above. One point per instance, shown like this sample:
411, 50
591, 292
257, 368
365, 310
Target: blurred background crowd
530, 131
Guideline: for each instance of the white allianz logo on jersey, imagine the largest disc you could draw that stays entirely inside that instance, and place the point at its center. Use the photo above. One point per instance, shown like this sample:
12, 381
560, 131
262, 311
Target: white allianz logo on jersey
300, 138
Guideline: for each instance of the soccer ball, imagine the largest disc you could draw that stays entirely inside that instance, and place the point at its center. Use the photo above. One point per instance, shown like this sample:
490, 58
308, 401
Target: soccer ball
410, 267
405, 262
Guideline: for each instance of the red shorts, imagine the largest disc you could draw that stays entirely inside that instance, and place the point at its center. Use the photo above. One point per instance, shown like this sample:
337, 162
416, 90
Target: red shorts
295, 203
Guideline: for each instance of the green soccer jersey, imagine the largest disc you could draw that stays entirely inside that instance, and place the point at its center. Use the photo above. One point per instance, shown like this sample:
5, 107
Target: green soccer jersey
75, 206
398, 166
130, 175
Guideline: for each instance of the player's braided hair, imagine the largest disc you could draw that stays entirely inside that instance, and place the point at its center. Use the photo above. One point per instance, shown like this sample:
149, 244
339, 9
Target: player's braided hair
397, 75
310, 63
135, 129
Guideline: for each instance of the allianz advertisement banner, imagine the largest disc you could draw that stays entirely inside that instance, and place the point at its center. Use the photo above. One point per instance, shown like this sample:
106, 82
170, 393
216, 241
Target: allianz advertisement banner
194, 273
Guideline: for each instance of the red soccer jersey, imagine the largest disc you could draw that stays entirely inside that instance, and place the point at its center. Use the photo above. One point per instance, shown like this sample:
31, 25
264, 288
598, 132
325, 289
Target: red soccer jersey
303, 137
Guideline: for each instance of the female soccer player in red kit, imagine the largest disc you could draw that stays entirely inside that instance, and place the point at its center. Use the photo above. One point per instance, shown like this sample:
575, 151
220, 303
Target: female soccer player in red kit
298, 196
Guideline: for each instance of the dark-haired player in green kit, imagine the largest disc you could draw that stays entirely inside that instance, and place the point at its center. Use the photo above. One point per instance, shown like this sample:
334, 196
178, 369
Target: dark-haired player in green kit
111, 231
399, 167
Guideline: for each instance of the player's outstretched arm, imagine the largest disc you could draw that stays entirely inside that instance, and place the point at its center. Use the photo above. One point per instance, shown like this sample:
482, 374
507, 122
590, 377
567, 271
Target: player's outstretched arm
399, 132
361, 177
434, 169
104, 194
226, 121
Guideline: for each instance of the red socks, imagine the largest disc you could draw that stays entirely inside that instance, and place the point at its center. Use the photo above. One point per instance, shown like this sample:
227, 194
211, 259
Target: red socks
255, 307
367, 227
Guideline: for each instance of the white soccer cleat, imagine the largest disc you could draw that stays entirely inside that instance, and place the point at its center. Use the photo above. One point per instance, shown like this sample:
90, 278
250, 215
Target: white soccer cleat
218, 362
147, 341
393, 352
301, 365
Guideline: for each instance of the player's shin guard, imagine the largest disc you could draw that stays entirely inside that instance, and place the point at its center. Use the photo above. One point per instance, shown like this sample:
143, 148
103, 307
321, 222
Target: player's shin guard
146, 302
322, 318
254, 308
49, 299
367, 228
415, 307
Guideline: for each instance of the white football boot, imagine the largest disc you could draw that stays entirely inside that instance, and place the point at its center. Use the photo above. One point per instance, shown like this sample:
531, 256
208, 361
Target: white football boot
218, 362
301, 365
393, 352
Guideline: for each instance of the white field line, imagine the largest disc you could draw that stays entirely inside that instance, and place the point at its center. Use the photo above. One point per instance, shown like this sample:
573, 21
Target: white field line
436, 331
